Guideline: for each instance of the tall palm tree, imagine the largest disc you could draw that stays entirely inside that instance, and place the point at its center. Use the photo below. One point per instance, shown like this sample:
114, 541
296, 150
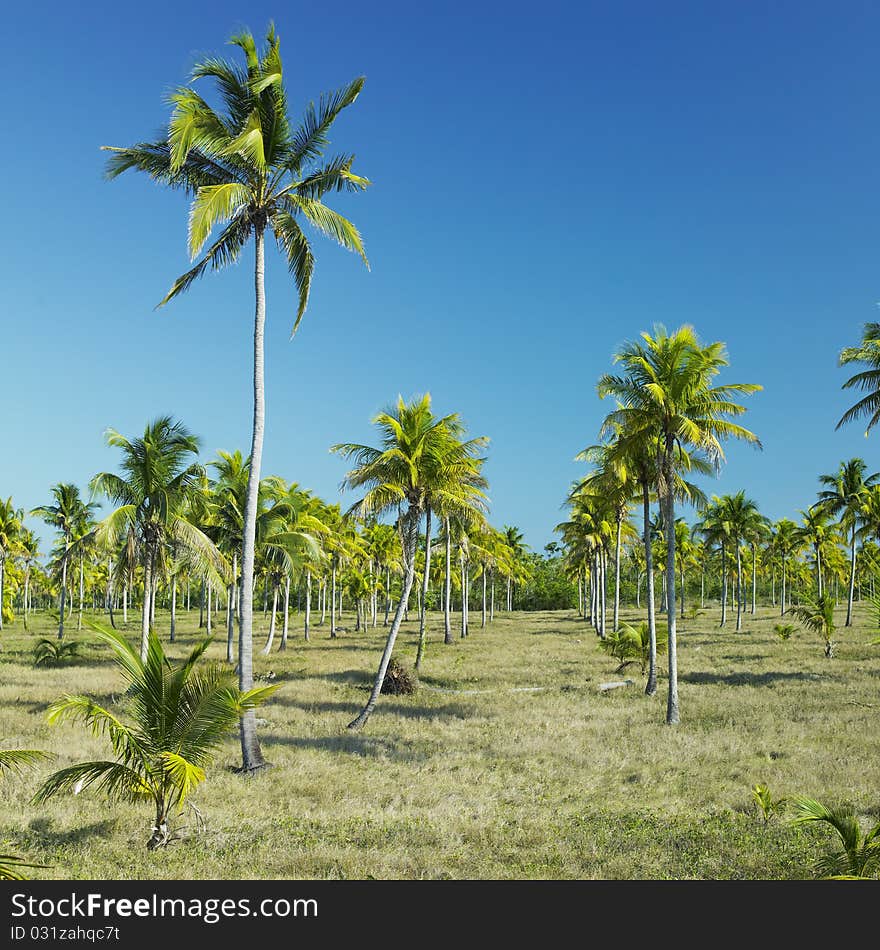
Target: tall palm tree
29, 551
666, 390
66, 516
785, 541
518, 548
150, 496
418, 452
868, 381
843, 497
817, 531
744, 524
250, 170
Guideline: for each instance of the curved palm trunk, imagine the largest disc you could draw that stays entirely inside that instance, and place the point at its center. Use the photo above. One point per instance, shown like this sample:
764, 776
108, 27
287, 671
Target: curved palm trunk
852, 578
251, 753
424, 611
411, 536
271, 638
651, 685
672, 709
617, 574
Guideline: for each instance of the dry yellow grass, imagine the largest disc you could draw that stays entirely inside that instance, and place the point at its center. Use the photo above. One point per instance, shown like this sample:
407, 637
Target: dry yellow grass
507, 762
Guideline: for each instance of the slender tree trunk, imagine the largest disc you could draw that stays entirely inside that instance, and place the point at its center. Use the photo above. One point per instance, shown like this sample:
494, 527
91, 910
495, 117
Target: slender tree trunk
723, 584
82, 591
651, 685
333, 602
483, 610
202, 604
447, 593
308, 615
125, 603
424, 611
208, 611
782, 612
271, 638
27, 580
463, 601
63, 592
754, 578
251, 753
145, 614
617, 574
739, 604
852, 578
387, 594
672, 708
410, 539
603, 561
173, 609
682, 592
284, 625
492, 598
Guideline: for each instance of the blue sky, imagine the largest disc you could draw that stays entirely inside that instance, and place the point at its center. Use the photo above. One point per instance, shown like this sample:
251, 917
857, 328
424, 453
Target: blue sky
548, 182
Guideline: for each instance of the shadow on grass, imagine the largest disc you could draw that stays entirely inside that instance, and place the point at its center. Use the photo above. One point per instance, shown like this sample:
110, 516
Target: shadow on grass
385, 706
40, 830
355, 744
747, 679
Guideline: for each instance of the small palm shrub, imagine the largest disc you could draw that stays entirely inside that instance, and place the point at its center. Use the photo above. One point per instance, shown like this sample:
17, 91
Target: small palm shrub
55, 652
399, 681
785, 631
16, 760
630, 645
819, 616
178, 715
858, 857
764, 800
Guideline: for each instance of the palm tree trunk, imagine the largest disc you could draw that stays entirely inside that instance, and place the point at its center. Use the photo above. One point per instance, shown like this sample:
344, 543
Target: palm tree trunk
251, 753
483, 610
387, 594
208, 612
271, 638
603, 561
723, 584
463, 603
651, 685
63, 592
2, 580
145, 613
782, 612
333, 603
617, 574
754, 577
410, 538
492, 599
672, 710
284, 625
447, 593
308, 614
423, 616
739, 604
27, 580
82, 591
682, 592
509, 603
173, 609
852, 578
125, 603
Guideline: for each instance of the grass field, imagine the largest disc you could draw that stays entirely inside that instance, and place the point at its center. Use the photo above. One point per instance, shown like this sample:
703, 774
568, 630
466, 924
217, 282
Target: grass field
507, 763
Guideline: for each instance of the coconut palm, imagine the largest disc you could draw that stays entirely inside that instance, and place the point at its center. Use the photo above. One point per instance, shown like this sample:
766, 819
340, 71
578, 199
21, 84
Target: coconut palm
817, 531
744, 524
28, 552
67, 516
419, 453
818, 615
631, 644
868, 381
251, 170
178, 716
859, 856
158, 480
666, 391
785, 541
843, 497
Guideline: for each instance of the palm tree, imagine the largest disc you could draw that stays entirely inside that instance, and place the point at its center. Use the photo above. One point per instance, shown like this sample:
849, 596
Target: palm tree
10, 539
179, 716
744, 524
151, 496
29, 551
251, 170
860, 852
843, 497
418, 451
817, 531
666, 392
517, 546
66, 516
868, 381
785, 541
818, 615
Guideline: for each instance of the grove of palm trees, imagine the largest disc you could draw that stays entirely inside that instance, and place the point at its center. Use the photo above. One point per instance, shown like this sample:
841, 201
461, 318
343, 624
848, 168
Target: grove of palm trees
214, 669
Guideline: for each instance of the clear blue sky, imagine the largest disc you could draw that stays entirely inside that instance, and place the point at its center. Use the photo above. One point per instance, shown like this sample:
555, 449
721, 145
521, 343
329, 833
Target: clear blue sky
549, 180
